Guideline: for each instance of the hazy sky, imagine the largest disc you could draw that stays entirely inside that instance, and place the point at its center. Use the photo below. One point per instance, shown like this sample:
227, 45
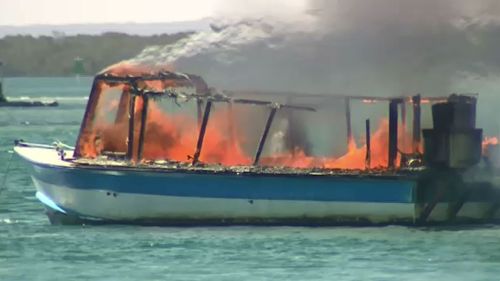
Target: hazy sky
23, 12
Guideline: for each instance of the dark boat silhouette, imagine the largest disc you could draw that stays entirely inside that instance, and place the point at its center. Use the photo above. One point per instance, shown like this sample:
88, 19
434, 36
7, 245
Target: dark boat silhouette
4, 102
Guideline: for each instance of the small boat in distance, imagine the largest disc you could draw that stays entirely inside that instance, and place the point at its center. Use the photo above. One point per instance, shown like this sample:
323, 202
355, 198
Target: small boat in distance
4, 102
28, 103
136, 161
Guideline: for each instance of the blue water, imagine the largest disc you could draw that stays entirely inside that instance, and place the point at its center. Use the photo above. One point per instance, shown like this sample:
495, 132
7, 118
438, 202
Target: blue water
32, 249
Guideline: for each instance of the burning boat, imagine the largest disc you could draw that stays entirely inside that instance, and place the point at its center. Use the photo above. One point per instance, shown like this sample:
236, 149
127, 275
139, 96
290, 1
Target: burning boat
137, 162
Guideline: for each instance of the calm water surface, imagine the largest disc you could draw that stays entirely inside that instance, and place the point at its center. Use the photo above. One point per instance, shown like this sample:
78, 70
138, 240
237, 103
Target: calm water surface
32, 249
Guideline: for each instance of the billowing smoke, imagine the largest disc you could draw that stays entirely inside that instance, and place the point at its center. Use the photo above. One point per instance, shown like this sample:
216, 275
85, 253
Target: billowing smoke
387, 47
344, 47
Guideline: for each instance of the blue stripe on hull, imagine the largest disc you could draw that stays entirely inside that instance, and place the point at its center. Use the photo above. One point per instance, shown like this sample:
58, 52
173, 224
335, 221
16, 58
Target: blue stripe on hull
314, 188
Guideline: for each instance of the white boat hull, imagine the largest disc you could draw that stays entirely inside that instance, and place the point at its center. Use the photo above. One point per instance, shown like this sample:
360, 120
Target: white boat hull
78, 194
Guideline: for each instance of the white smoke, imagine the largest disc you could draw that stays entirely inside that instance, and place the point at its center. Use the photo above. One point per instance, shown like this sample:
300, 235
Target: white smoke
223, 38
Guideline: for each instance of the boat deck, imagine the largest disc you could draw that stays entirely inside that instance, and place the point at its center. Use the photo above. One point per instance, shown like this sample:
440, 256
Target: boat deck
201, 168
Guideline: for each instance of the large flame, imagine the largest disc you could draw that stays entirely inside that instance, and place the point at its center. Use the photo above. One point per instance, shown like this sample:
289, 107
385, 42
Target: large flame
354, 158
173, 136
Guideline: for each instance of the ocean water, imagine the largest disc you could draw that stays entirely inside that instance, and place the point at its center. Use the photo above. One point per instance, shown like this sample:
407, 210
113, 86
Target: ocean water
32, 249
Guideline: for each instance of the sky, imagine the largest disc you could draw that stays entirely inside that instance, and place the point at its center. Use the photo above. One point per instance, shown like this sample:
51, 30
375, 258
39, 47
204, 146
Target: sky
53, 12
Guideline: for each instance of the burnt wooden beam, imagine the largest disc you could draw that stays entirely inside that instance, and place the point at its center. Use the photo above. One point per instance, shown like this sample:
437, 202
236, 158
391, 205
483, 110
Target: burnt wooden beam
348, 119
142, 132
270, 103
368, 144
230, 125
164, 75
402, 105
262, 142
89, 113
122, 114
296, 136
199, 105
416, 122
203, 128
131, 114
329, 96
290, 130
393, 133
403, 114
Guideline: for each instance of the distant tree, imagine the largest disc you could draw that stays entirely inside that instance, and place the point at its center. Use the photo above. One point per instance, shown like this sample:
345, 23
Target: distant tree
55, 55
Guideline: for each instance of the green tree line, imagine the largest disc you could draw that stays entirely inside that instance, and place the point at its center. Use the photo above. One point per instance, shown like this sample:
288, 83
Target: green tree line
55, 55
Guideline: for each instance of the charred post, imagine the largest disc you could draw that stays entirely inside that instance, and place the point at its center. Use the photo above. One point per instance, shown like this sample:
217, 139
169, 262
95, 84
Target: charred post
290, 130
416, 122
89, 112
403, 114
348, 120
296, 135
2, 97
199, 105
203, 128
131, 113
393, 132
264, 135
403, 121
368, 144
122, 113
230, 125
144, 117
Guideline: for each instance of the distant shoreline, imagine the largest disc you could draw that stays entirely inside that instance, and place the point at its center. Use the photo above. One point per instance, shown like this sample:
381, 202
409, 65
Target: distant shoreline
66, 56
131, 28
57, 76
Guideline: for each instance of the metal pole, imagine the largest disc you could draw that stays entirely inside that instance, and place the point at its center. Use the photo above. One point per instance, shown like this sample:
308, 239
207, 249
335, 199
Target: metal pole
393, 132
131, 113
144, 121
368, 144
264, 135
416, 122
201, 136
348, 120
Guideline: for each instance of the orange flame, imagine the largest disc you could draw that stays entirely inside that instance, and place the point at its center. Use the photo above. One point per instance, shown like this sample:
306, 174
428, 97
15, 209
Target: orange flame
174, 136
171, 137
487, 143
355, 158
